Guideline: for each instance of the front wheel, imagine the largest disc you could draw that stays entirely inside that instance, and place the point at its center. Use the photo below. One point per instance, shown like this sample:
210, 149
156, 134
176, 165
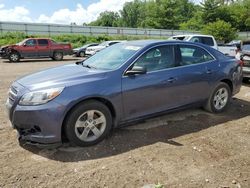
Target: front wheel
88, 124
219, 99
14, 57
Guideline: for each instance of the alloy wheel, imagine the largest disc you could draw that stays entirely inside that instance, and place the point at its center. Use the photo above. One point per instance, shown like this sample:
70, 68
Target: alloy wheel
90, 125
220, 98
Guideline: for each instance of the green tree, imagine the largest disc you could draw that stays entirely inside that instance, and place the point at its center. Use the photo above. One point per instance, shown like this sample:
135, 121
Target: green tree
132, 13
221, 30
107, 18
194, 24
210, 10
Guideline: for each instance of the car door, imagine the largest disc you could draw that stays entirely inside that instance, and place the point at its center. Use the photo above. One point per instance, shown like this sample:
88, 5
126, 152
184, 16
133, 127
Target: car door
195, 72
43, 48
154, 91
29, 48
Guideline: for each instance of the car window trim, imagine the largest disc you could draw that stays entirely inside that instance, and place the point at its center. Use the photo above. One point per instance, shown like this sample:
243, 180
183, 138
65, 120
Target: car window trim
159, 45
35, 44
177, 44
201, 48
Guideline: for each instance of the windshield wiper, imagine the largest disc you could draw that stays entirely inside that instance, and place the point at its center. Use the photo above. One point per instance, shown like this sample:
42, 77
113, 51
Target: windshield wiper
85, 65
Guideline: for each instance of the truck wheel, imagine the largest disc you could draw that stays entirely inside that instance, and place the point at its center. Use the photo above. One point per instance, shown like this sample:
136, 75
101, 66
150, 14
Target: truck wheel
14, 57
58, 56
88, 123
219, 99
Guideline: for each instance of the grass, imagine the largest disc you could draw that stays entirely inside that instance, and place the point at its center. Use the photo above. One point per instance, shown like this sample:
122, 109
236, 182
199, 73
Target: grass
76, 40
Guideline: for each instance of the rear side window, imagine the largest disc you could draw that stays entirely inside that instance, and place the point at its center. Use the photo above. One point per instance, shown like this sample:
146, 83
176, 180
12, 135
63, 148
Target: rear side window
204, 40
208, 41
43, 42
193, 55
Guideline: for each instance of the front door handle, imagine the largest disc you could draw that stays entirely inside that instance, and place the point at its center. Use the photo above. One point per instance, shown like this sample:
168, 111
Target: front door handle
209, 71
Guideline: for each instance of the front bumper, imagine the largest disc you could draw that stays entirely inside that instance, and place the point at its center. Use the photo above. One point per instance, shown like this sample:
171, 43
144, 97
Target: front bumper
37, 124
3, 54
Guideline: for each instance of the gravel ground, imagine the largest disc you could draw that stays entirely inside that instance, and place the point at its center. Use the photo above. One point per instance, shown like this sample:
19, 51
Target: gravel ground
190, 148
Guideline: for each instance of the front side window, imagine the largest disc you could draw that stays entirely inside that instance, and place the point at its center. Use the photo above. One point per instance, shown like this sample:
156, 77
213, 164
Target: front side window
157, 58
43, 42
31, 42
193, 55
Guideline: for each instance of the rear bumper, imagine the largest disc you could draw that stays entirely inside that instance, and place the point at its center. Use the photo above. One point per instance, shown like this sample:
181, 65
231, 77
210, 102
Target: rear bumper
246, 72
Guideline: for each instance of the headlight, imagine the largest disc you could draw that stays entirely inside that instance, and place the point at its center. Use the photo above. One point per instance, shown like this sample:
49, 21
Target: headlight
40, 97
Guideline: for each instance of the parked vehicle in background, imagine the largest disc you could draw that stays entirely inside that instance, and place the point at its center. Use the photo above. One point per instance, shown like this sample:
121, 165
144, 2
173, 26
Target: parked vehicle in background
244, 55
92, 50
81, 51
123, 83
35, 48
209, 40
204, 39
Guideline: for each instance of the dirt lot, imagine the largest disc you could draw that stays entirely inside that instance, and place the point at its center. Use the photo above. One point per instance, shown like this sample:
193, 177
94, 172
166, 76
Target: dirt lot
190, 148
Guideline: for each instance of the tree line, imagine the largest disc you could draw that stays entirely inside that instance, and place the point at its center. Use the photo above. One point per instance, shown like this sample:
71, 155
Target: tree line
221, 18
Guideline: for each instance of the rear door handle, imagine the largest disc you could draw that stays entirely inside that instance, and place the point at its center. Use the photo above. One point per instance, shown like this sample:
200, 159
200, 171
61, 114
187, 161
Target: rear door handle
171, 80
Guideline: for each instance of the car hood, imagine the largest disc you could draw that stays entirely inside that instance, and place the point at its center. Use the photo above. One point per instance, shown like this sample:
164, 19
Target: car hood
61, 76
9, 46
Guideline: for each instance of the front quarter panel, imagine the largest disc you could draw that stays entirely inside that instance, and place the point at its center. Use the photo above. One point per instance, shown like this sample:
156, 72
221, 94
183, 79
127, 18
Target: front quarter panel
108, 88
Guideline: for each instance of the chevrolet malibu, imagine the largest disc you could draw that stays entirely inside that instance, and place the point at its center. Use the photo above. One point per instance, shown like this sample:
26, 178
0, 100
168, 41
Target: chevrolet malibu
126, 82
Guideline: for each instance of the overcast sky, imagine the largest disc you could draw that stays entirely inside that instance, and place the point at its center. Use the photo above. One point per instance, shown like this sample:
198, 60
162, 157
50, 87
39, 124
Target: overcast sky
57, 11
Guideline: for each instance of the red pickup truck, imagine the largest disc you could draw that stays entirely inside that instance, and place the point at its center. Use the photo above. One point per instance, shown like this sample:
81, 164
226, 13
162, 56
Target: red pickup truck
35, 48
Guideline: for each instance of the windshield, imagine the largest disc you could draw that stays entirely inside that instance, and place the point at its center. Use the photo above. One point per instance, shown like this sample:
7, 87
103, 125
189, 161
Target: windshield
112, 57
104, 44
246, 47
85, 46
22, 42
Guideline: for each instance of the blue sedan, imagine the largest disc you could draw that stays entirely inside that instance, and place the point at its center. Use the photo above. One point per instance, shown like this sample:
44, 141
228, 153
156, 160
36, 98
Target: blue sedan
126, 82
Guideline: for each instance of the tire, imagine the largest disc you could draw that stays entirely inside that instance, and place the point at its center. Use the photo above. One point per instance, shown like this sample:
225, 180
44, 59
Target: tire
14, 57
82, 54
88, 123
220, 98
57, 56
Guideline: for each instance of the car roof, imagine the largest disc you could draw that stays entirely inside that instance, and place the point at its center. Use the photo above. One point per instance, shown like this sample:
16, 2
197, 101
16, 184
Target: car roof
144, 43
38, 38
192, 35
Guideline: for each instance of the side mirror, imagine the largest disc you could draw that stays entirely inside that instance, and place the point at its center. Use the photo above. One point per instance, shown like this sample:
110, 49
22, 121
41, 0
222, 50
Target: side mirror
24, 45
136, 70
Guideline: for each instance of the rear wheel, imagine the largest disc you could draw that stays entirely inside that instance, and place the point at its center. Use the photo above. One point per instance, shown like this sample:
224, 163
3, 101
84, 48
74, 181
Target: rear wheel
57, 56
82, 54
88, 124
219, 99
14, 57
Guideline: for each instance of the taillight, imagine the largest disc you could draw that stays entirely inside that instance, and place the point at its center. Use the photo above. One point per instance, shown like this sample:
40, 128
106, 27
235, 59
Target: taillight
240, 62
